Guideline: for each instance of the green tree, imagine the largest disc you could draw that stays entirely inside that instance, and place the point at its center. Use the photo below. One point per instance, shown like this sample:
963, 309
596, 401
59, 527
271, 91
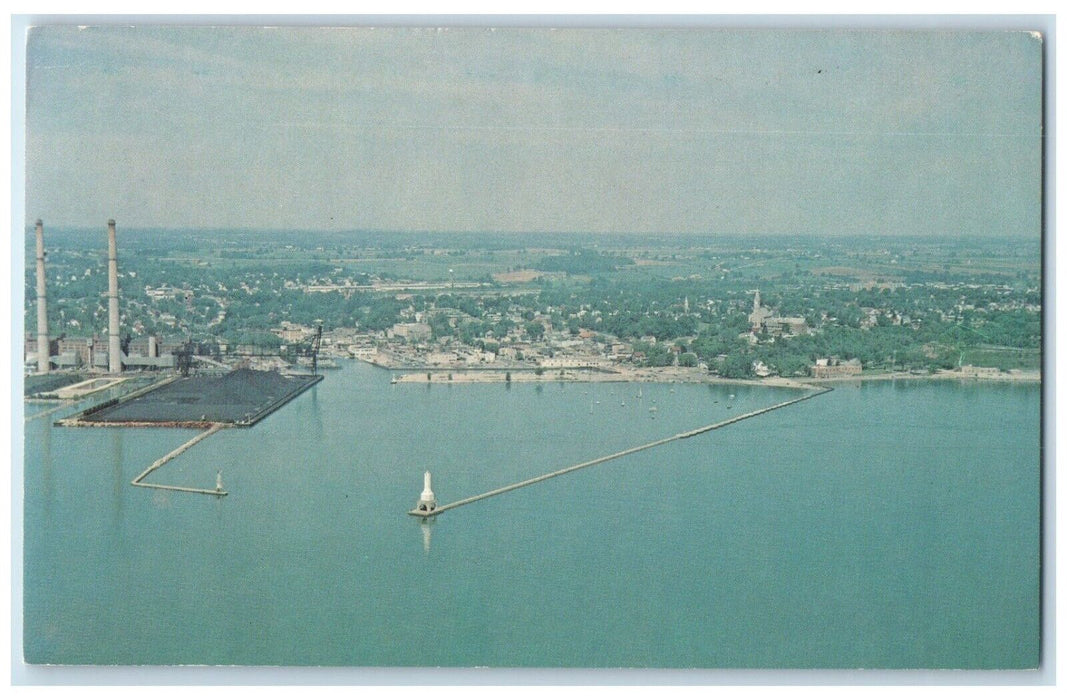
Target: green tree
736, 366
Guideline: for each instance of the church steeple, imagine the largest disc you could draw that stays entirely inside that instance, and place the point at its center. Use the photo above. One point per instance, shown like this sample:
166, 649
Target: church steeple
758, 315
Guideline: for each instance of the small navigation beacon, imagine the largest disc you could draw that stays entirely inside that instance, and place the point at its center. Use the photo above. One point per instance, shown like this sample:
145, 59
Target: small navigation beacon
427, 501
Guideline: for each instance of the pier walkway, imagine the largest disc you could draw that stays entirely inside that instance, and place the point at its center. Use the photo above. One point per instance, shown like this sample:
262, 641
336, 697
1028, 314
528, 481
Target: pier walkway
139, 480
623, 453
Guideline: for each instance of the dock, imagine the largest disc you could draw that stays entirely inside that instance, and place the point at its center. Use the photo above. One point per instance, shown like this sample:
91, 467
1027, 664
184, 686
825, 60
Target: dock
139, 480
623, 453
209, 403
240, 398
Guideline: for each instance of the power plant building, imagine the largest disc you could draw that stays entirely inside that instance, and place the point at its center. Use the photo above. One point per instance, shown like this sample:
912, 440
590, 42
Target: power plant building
91, 352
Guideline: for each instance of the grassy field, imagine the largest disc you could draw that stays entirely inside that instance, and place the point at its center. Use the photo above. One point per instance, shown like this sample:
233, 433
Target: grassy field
1004, 358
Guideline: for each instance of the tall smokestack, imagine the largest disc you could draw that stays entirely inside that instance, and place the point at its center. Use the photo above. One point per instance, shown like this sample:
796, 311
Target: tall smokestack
43, 349
114, 349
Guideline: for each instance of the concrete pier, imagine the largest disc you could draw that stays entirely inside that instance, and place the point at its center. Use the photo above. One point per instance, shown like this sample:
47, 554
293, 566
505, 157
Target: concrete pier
139, 480
623, 453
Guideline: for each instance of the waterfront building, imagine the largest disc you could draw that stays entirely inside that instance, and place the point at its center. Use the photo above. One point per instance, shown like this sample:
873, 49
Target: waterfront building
411, 331
827, 368
441, 358
71, 351
972, 372
293, 332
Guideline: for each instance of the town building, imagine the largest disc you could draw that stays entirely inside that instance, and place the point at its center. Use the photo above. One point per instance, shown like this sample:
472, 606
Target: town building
765, 320
973, 372
759, 314
411, 331
786, 325
828, 368
293, 332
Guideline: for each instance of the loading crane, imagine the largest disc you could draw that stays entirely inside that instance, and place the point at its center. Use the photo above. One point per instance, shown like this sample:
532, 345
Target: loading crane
316, 342
183, 358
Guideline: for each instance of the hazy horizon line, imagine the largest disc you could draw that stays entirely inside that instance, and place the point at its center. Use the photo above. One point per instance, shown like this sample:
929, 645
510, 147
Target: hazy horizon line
30, 228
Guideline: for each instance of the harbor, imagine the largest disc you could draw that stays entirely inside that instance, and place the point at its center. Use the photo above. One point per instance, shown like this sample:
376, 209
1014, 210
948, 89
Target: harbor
721, 346
312, 558
237, 399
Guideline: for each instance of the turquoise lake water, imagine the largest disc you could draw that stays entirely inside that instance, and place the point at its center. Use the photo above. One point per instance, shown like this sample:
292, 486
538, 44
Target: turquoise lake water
883, 525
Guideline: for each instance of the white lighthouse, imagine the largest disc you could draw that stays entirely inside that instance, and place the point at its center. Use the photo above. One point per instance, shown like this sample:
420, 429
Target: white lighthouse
427, 501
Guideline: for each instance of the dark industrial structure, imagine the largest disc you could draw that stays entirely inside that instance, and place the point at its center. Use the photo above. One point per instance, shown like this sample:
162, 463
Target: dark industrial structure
240, 398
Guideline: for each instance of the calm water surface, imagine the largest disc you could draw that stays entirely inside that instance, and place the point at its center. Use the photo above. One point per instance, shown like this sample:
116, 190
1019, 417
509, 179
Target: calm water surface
889, 525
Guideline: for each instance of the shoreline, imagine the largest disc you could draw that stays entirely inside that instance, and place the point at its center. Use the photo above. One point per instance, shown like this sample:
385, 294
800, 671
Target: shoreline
674, 375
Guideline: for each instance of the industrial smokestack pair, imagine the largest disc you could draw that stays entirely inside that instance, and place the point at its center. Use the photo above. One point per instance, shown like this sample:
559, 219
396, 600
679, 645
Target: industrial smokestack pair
114, 348
43, 349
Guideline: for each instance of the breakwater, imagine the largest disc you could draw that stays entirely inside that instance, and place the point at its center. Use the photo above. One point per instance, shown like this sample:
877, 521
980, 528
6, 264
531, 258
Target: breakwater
622, 453
139, 479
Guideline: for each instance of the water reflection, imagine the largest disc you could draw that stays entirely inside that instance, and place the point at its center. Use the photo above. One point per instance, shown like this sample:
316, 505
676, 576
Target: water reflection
426, 532
117, 480
47, 484
45, 412
316, 412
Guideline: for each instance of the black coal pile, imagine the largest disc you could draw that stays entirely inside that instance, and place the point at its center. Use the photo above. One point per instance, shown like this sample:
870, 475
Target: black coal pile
241, 396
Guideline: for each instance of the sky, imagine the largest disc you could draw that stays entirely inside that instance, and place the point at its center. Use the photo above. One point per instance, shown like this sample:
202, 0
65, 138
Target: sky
636, 130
